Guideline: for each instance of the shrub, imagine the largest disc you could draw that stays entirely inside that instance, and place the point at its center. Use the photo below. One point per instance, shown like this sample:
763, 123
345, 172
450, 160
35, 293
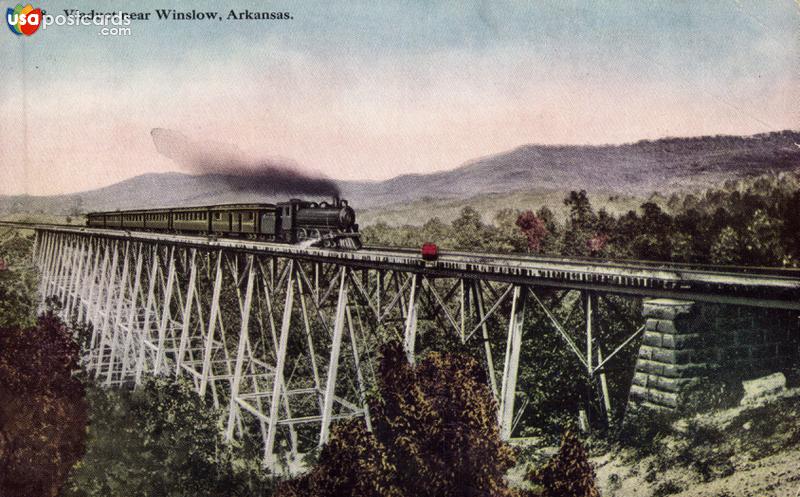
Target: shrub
161, 439
434, 433
17, 283
569, 473
42, 408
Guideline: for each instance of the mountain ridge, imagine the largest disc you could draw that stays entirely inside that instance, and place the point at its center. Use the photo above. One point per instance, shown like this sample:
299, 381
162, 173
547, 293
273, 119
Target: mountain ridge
643, 167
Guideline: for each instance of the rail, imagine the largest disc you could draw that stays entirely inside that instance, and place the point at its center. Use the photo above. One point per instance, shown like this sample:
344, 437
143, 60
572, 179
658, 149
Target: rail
762, 287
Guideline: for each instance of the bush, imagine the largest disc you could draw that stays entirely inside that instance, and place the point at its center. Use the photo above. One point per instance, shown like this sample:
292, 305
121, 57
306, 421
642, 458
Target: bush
159, 440
569, 473
42, 408
434, 433
17, 283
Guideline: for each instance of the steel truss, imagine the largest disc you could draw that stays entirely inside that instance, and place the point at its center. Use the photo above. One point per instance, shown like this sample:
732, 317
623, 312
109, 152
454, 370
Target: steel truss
287, 343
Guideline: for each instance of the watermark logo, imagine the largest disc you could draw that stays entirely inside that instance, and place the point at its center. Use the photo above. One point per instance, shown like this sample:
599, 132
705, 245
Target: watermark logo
27, 20
23, 20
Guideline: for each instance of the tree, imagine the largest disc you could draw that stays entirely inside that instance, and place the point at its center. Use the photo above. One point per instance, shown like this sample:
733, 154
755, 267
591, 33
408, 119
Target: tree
580, 209
17, 283
791, 224
654, 220
652, 241
434, 433
533, 228
692, 239
42, 408
504, 236
596, 244
569, 473
761, 240
580, 225
726, 248
682, 247
434, 230
549, 244
352, 463
161, 440
469, 232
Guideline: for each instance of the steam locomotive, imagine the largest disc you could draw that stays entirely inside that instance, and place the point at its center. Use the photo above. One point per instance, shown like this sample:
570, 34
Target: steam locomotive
296, 221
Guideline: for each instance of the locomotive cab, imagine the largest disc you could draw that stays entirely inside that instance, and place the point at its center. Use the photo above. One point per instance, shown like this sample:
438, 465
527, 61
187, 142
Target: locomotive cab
285, 222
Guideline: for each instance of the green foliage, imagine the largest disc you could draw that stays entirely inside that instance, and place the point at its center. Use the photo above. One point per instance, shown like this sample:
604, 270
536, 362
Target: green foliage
156, 441
434, 229
509, 237
160, 440
353, 463
754, 221
578, 228
761, 239
434, 433
17, 281
727, 247
468, 228
553, 378
467, 231
42, 408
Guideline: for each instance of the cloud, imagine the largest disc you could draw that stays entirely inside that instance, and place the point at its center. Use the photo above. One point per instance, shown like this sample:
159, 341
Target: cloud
362, 106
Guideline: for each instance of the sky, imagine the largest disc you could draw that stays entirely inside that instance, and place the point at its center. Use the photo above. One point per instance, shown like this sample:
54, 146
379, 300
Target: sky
370, 90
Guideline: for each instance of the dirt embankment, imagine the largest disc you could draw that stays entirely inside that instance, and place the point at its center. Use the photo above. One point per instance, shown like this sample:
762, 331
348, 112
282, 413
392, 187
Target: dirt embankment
741, 452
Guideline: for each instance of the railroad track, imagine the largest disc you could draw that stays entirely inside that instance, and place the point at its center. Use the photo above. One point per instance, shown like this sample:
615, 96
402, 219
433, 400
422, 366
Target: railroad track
620, 263
764, 287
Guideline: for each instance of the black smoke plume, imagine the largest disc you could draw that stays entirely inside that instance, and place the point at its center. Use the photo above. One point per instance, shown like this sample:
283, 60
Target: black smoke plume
238, 171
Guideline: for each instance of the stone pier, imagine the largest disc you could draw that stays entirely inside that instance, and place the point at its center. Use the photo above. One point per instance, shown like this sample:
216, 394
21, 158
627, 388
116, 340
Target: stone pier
687, 345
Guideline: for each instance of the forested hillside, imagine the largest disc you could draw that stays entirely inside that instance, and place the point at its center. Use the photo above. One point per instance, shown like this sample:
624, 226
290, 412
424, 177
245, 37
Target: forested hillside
749, 222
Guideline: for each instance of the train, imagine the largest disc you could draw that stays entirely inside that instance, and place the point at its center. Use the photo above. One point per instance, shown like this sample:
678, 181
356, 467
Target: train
297, 221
